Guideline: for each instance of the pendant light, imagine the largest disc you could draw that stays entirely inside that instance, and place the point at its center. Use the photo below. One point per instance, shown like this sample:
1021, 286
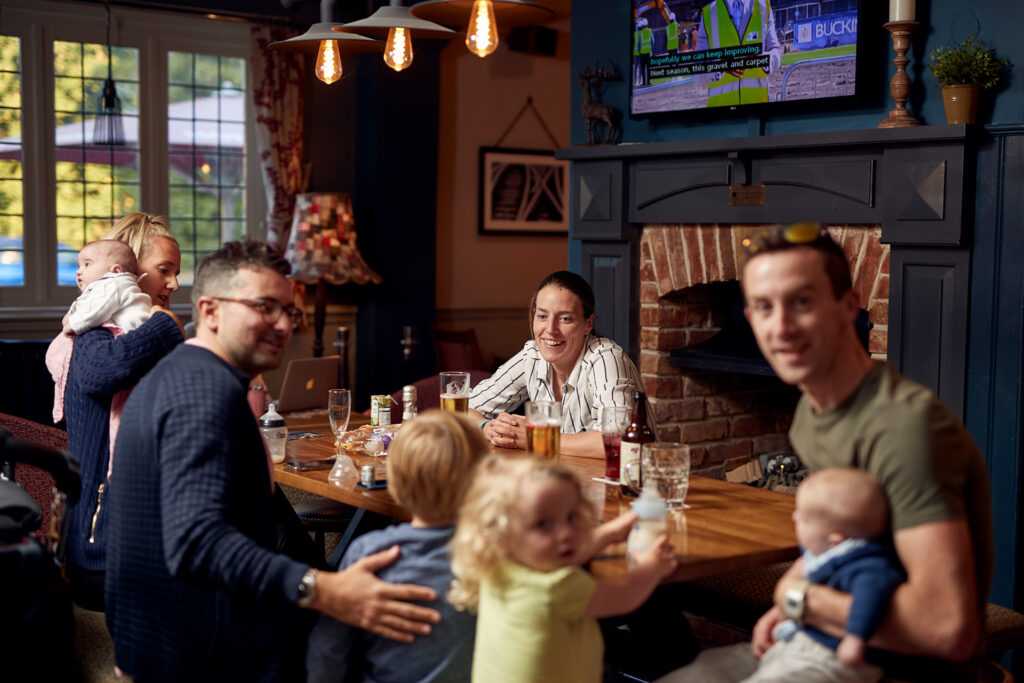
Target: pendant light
399, 25
481, 18
109, 126
328, 38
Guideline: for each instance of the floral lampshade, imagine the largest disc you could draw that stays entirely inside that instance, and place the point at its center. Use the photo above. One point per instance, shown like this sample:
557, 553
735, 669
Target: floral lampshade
322, 242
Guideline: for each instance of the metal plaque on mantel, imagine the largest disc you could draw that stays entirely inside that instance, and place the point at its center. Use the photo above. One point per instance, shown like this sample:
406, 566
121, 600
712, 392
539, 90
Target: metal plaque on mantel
746, 195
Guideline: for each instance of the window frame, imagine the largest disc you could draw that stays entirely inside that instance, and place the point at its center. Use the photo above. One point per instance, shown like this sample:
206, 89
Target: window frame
37, 24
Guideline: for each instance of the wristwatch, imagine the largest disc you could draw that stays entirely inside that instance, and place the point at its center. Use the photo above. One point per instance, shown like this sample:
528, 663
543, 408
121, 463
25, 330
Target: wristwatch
307, 589
484, 422
794, 601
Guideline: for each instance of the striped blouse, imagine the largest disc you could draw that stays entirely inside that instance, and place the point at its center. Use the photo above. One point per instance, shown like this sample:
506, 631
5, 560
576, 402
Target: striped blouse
604, 375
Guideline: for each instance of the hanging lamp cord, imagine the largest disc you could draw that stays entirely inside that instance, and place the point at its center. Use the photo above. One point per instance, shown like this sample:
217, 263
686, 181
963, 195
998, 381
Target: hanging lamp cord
110, 49
540, 119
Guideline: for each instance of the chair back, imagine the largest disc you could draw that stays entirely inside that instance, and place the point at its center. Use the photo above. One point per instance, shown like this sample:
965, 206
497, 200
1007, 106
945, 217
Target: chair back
458, 350
38, 482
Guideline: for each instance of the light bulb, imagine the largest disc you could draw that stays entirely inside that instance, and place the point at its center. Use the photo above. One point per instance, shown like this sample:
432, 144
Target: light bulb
328, 61
482, 32
398, 49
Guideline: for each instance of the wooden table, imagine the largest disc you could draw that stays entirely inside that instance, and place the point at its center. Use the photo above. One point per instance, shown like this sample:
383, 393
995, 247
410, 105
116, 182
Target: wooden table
725, 527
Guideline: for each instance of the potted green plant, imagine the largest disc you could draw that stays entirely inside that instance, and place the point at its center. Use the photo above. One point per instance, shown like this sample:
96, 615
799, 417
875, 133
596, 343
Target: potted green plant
963, 71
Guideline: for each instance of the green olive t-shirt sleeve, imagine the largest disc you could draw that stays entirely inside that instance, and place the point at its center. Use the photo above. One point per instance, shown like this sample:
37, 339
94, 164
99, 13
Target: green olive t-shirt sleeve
921, 483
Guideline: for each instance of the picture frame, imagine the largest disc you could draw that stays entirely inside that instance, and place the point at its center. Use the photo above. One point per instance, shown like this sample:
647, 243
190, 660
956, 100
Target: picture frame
523, 192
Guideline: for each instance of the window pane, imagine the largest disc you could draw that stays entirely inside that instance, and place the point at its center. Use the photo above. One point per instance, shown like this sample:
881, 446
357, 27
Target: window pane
67, 59
96, 183
10, 125
182, 206
10, 54
9, 168
232, 73
232, 105
206, 141
179, 68
10, 89
208, 70
126, 64
12, 198
127, 198
70, 233
67, 94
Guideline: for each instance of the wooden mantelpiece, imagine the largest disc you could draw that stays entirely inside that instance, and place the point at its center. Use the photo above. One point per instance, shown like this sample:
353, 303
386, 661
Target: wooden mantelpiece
912, 182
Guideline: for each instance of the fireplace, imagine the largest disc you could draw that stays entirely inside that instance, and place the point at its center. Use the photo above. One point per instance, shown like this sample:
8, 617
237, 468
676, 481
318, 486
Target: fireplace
656, 229
728, 407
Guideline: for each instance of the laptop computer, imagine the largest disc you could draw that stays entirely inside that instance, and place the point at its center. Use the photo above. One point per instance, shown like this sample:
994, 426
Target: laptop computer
306, 383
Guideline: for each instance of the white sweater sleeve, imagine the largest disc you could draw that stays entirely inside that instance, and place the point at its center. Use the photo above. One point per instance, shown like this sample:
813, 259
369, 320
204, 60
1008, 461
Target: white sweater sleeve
94, 306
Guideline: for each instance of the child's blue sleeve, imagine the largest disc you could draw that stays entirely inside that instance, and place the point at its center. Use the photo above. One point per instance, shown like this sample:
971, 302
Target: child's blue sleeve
871, 588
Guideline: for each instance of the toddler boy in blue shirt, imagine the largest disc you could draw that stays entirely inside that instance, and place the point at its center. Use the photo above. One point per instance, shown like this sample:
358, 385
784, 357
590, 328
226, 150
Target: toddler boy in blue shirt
430, 464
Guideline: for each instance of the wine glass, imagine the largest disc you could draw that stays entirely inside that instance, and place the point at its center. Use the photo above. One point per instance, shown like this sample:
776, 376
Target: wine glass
339, 409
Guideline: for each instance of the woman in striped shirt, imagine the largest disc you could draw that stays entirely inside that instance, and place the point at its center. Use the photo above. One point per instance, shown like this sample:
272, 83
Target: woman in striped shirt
564, 362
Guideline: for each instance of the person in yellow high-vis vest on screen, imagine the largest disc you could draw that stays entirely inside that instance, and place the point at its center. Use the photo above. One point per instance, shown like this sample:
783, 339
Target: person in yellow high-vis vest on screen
732, 23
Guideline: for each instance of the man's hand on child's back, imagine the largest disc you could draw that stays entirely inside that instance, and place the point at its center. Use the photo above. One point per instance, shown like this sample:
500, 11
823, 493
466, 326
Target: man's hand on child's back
356, 596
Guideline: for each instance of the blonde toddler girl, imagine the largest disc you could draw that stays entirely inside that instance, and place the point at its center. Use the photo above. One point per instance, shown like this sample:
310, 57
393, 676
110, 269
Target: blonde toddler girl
523, 533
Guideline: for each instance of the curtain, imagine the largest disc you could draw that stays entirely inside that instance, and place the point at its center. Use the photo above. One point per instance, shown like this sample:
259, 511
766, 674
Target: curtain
277, 100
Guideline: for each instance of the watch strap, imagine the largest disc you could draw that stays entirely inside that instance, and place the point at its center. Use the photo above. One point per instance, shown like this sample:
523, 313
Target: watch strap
795, 600
307, 588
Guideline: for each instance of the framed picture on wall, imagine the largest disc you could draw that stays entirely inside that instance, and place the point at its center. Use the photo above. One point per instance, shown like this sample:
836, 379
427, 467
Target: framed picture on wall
523, 192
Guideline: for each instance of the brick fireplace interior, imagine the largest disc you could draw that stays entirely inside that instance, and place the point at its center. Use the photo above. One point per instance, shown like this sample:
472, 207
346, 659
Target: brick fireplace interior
727, 418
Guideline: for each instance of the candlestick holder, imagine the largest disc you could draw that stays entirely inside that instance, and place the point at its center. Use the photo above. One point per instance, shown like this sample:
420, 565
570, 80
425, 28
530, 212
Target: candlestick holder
899, 86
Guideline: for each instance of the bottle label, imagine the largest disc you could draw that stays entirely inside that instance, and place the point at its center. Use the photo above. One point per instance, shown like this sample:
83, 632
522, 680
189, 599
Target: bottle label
629, 464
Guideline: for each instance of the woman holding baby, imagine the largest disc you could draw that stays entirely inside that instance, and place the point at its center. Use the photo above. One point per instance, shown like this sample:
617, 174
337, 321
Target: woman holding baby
104, 359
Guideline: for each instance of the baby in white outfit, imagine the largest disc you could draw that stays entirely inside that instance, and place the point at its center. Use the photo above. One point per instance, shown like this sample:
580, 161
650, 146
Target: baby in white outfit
108, 277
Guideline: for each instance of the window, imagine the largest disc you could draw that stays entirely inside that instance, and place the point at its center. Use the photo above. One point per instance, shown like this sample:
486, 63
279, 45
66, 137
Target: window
206, 153
183, 85
96, 184
12, 201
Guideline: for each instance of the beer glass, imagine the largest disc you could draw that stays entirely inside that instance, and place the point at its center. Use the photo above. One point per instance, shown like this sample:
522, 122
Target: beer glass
455, 392
666, 466
614, 420
544, 428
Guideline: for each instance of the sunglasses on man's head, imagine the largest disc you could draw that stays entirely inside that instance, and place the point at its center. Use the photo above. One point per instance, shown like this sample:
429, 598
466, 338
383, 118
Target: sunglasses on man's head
774, 238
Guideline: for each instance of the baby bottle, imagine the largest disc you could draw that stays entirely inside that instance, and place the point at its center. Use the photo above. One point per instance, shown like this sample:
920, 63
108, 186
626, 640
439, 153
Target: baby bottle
275, 432
651, 512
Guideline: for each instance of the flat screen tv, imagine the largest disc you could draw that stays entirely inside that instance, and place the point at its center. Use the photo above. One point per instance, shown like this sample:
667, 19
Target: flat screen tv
693, 55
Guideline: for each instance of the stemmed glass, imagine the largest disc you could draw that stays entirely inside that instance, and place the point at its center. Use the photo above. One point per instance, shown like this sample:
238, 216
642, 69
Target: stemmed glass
339, 409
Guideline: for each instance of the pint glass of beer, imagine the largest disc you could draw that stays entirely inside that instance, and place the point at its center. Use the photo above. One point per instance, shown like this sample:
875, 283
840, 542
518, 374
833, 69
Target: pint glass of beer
544, 428
455, 392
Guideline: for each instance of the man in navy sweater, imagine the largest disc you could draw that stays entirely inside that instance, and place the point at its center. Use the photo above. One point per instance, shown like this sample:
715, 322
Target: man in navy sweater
195, 591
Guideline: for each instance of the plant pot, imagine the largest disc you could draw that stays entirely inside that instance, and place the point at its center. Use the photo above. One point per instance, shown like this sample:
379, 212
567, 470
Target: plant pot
961, 103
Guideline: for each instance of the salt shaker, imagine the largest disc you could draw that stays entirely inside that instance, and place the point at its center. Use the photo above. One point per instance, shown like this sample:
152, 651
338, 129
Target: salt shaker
651, 513
275, 433
409, 409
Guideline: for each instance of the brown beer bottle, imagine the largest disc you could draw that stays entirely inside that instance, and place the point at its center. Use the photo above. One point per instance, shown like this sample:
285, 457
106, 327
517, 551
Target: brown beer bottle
636, 435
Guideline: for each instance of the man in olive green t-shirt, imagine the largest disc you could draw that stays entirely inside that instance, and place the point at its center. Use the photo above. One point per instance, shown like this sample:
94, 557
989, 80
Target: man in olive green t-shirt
856, 412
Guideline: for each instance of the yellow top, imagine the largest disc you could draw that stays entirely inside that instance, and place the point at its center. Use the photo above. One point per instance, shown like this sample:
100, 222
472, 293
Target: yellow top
532, 628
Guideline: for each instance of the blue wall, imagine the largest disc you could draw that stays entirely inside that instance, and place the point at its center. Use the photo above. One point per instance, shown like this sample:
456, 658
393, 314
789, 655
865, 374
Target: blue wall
601, 32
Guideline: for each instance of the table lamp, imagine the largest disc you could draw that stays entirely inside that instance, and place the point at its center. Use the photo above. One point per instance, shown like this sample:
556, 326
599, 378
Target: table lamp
322, 250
